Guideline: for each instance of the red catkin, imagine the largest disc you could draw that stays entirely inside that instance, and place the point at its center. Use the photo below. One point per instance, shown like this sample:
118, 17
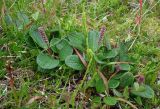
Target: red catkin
45, 38
102, 31
140, 79
43, 35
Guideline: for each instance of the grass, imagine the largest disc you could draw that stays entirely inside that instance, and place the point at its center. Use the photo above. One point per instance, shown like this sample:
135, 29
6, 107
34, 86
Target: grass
64, 87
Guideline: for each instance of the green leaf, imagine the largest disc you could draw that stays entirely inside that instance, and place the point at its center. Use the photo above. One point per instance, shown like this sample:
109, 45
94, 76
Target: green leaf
98, 60
8, 19
123, 57
139, 100
117, 93
64, 49
118, 76
46, 62
111, 53
53, 44
93, 38
125, 67
123, 49
136, 85
39, 69
110, 100
100, 87
113, 83
100, 56
77, 40
61, 44
19, 24
35, 15
74, 62
37, 38
107, 42
22, 20
126, 79
126, 92
139, 88
22, 17
147, 92
96, 99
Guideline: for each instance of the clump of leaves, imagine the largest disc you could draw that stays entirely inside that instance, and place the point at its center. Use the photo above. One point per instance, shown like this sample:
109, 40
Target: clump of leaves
106, 62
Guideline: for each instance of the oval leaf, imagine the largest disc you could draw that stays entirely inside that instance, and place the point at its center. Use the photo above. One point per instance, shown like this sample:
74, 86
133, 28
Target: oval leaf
113, 83
74, 62
127, 79
96, 99
147, 92
117, 93
110, 100
64, 49
37, 38
111, 53
125, 67
77, 40
53, 44
46, 62
61, 44
100, 87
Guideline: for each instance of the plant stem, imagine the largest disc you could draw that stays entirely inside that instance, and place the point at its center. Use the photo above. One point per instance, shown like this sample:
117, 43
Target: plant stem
104, 80
80, 57
80, 85
129, 103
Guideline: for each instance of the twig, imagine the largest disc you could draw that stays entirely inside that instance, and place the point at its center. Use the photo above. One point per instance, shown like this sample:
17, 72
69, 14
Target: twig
84, 78
111, 63
112, 76
28, 25
100, 74
104, 80
129, 103
80, 57
88, 66
10, 57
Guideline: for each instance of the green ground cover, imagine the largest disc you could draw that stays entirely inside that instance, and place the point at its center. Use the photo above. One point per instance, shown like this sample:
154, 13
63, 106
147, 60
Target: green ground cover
80, 54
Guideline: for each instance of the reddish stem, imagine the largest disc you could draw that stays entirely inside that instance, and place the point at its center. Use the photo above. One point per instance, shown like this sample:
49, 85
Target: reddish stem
140, 4
80, 57
9, 70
